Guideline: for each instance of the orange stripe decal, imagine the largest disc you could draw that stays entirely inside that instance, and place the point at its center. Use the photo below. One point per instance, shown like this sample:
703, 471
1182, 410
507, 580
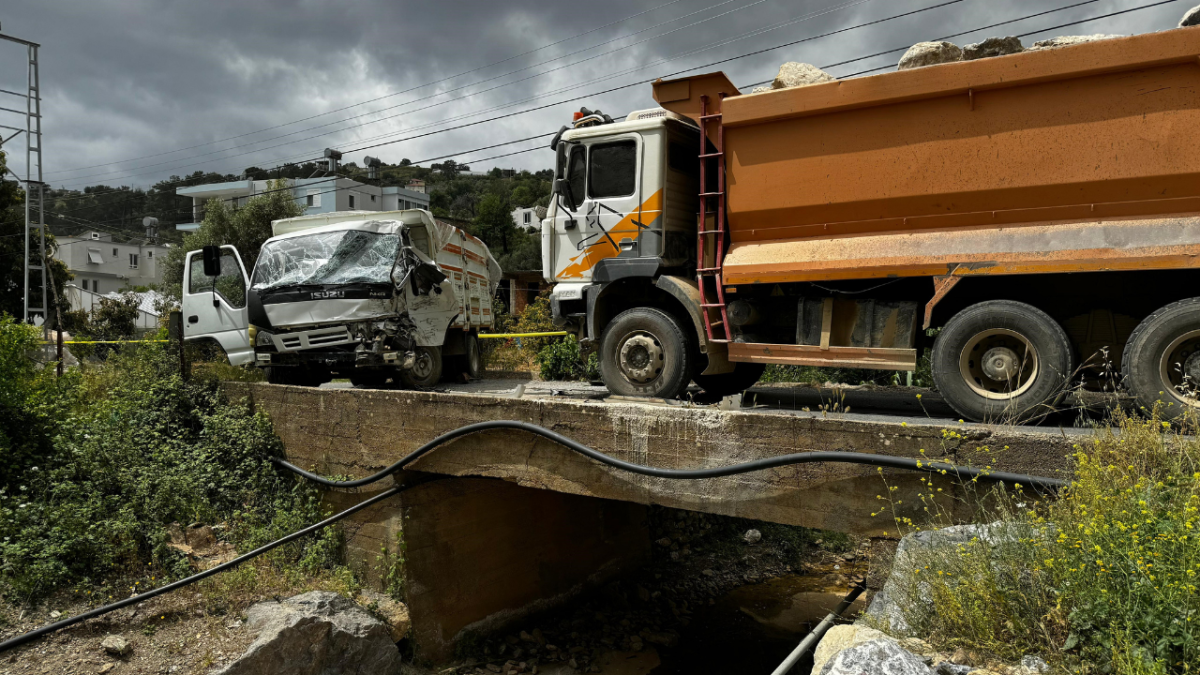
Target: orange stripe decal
606, 247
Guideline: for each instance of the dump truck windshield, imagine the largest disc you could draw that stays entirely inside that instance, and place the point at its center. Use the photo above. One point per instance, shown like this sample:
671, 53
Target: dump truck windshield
349, 256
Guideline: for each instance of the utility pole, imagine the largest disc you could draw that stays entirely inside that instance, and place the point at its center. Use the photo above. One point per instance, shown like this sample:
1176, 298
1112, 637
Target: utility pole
35, 216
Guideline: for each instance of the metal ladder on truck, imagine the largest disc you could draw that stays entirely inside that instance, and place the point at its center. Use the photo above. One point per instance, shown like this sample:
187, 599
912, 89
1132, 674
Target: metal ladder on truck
710, 238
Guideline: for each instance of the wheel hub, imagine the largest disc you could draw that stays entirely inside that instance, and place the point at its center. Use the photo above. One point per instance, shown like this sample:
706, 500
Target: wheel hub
1191, 368
641, 358
423, 365
1001, 363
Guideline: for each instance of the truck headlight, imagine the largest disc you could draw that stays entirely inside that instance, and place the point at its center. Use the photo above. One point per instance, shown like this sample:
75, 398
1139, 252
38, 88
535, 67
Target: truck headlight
252, 331
264, 339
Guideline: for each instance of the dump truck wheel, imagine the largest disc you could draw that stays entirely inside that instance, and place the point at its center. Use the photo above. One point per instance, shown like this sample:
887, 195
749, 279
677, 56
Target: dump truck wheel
742, 378
427, 370
1002, 360
1161, 362
644, 352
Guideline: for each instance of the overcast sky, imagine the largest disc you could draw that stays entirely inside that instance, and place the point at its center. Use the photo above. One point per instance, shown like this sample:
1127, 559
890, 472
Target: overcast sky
138, 90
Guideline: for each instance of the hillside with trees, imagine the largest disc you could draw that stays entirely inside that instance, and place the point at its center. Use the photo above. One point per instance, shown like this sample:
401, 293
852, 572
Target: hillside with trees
480, 203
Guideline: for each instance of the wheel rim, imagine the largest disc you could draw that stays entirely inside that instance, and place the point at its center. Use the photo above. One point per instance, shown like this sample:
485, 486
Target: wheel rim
642, 358
1179, 368
999, 363
423, 367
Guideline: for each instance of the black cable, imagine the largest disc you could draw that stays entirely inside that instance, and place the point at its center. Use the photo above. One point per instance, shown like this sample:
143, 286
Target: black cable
142, 597
684, 474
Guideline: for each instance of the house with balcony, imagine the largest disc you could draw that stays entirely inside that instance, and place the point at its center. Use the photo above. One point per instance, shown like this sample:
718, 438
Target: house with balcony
316, 195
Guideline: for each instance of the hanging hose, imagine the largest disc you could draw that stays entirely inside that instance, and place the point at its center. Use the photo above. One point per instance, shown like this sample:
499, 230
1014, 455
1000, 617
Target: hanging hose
676, 474
687, 474
814, 636
142, 597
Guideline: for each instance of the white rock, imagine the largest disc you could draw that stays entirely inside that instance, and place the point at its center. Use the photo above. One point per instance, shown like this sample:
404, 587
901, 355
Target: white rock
993, 46
930, 54
792, 74
877, 657
1191, 18
752, 536
759, 90
1035, 664
840, 638
315, 633
116, 645
1068, 40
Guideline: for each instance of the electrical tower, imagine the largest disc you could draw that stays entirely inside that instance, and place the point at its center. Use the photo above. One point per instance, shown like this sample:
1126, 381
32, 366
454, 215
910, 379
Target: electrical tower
35, 217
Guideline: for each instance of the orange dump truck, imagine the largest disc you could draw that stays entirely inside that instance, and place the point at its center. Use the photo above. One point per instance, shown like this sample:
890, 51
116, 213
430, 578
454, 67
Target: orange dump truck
1041, 209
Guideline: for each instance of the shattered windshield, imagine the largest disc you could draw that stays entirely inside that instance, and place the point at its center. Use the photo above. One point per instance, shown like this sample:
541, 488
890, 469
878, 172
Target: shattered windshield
345, 257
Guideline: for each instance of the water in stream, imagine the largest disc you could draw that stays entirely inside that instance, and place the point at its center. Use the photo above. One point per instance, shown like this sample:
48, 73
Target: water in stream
753, 628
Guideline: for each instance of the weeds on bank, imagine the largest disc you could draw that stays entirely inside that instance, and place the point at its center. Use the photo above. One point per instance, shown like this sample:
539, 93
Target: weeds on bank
1102, 579
96, 464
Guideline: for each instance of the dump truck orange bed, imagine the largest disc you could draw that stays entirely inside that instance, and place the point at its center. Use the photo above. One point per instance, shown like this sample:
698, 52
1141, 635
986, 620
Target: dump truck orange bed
1071, 159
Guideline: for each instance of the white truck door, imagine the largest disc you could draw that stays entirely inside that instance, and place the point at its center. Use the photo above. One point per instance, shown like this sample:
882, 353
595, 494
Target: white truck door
611, 211
215, 307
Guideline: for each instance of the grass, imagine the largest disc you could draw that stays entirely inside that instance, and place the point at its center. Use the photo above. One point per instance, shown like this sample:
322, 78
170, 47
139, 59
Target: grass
1101, 580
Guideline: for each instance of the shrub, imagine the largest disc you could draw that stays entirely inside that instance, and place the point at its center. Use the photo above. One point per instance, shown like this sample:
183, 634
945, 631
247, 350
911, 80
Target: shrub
130, 449
1105, 574
561, 360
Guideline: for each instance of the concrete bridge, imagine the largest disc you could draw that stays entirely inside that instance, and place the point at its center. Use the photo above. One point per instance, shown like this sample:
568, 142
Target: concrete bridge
525, 523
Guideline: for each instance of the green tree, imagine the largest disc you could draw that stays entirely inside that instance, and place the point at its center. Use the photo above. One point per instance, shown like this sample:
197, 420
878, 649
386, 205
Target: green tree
245, 228
494, 222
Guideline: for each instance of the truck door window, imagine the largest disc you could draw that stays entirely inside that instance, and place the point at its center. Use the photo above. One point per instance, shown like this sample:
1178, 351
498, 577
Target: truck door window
230, 285
613, 170
578, 173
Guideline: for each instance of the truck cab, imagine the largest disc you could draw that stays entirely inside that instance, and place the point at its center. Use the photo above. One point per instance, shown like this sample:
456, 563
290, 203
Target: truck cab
364, 295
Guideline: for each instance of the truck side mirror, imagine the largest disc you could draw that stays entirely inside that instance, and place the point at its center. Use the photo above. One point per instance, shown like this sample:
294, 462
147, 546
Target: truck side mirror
212, 261
562, 188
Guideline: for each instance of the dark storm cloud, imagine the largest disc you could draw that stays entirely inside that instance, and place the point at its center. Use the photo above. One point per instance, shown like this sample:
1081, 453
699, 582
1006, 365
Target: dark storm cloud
127, 79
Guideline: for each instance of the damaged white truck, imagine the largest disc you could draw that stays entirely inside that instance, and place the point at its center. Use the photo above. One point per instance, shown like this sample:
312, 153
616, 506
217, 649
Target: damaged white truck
369, 296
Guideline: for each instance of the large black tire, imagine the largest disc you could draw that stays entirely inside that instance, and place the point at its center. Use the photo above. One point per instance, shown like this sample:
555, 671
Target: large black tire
1028, 366
644, 352
1161, 361
427, 370
470, 363
742, 378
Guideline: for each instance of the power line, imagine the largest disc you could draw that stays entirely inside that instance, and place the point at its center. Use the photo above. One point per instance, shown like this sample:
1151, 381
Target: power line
947, 37
1045, 30
484, 91
577, 86
380, 98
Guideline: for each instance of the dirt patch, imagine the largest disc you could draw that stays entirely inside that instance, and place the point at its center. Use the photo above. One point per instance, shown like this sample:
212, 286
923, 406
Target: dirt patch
185, 632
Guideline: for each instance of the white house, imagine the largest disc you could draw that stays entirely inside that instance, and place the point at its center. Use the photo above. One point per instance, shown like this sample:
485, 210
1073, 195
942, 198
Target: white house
317, 195
101, 265
530, 219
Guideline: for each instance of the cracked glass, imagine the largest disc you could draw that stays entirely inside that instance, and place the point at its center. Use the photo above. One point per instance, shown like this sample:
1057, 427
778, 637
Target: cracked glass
345, 257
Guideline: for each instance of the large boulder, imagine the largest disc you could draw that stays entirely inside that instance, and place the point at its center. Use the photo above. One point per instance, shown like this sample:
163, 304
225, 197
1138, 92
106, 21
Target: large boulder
1191, 18
876, 657
316, 633
393, 612
1068, 40
993, 46
792, 74
930, 54
904, 604
841, 638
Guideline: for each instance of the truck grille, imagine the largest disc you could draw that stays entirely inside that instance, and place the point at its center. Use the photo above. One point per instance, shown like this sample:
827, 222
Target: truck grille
322, 337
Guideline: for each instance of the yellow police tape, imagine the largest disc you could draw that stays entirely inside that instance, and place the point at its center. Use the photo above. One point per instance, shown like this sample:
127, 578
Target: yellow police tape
100, 342
500, 336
